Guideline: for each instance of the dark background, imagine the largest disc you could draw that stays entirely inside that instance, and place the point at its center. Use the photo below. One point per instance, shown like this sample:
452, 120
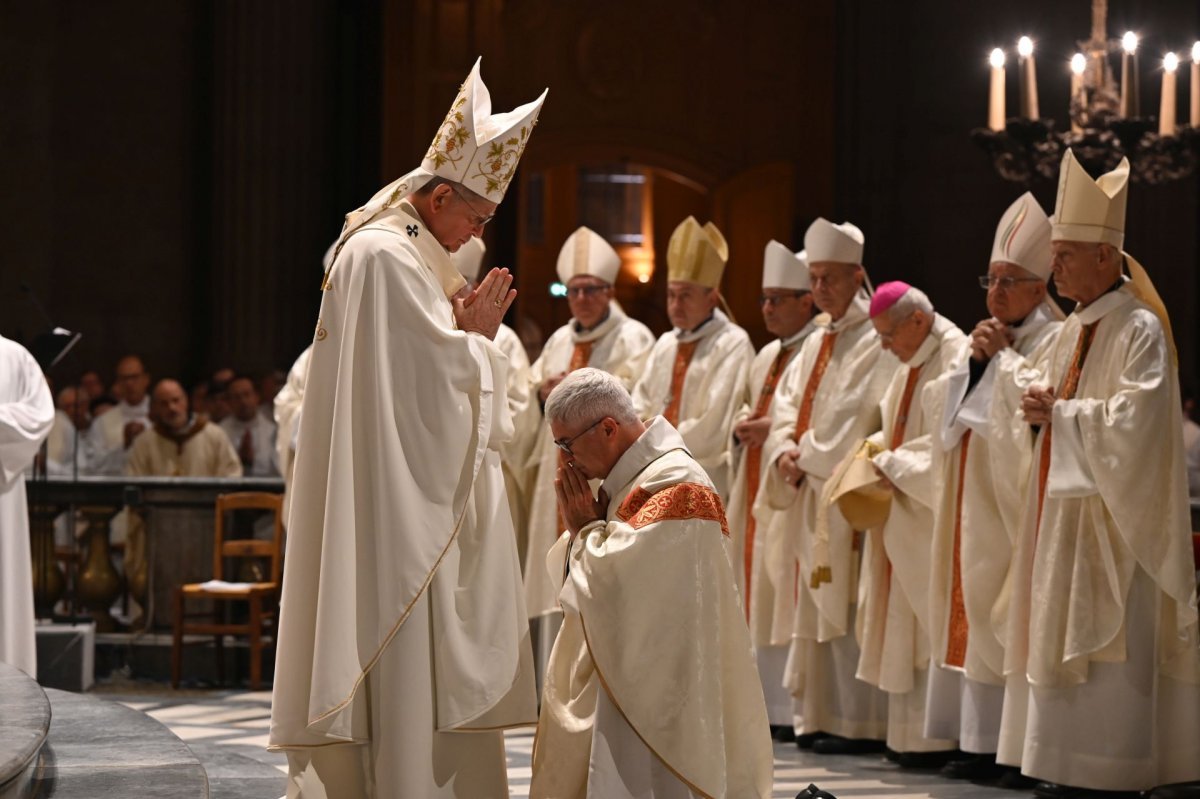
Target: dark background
173, 172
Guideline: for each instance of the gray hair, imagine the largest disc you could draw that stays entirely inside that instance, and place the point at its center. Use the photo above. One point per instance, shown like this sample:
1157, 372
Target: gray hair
587, 395
438, 180
910, 302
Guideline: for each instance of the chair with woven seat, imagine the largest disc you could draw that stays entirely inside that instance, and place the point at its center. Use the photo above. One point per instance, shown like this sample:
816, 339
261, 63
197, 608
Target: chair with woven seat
261, 597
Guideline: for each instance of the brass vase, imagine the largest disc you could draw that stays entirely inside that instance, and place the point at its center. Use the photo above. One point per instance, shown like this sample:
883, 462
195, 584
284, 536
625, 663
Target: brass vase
99, 583
48, 579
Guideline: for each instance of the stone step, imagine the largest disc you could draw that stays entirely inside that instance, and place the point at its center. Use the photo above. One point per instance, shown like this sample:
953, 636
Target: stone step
24, 724
99, 748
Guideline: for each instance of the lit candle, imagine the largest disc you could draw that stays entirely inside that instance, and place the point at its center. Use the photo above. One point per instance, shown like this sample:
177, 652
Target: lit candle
996, 92
1078, 67
1166, 114
1130, 107
1195, 117
1029, 98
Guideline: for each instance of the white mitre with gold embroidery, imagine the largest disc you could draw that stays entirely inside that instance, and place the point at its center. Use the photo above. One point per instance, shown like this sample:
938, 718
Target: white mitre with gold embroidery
697, 254
473, 147
1090, 210
585, 252
469, 258
1023, 237
826, 242
783, 269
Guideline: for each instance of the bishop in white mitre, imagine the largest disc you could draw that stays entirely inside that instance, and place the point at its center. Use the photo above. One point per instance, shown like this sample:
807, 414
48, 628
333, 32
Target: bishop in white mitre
1103, 684
788, 310
468, 259
827, 402
978, 491
893, 625
695, 373
403, 643
652, 690
26, 416
600, 335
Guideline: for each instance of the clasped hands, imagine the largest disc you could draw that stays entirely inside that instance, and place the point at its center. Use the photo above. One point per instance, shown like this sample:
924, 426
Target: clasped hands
989, 337
576, 505
481, 310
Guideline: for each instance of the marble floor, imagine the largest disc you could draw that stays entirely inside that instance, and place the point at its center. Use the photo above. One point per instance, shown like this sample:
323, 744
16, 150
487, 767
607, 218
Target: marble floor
227, 731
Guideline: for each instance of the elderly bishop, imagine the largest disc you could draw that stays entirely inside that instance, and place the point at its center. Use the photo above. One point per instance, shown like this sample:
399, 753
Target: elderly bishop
403, 643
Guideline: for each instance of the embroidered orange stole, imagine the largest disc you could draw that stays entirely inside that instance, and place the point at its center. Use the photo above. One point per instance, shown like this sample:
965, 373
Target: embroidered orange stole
581, 355
683, 357
910, 386
956, 642
754, 458
1070, 383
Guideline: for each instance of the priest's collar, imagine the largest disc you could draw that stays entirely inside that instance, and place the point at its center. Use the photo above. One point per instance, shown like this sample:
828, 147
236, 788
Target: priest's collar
799, 335
933, 339
710, 326
612, 318
858, 311
659, 439
1107, 302
1039, 317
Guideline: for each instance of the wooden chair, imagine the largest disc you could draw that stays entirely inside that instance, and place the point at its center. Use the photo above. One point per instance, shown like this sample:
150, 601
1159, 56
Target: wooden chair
261, 596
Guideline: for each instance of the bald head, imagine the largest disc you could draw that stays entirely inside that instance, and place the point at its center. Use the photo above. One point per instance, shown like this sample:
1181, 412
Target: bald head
169, 405
132, 379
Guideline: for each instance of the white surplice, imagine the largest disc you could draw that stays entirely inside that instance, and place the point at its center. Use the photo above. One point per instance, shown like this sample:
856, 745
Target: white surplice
748, 552
652, 690
817, 624
287, 422
1101, 659
112, 426
965, 697
893, 619
403, 631
26, 416
711, 390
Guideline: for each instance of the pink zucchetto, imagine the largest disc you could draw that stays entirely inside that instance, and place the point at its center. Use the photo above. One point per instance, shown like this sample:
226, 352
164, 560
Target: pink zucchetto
887, 295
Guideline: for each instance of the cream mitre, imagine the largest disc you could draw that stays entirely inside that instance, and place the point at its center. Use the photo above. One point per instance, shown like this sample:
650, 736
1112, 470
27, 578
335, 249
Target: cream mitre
783, 269
469, 258
825, 241
697, 254
1090, 210
585, 252
473, 147
1023, 237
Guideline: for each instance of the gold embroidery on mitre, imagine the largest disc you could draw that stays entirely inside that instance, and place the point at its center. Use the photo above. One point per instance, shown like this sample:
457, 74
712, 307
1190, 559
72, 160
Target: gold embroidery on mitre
448, 142
497, 167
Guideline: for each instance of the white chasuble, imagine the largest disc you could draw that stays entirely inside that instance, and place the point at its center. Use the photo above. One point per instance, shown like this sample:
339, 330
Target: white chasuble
694, 380
827, 402
652, 690
26, 416
972, 542
399, 510
287, 422
1101, 624
893, 619
618, 345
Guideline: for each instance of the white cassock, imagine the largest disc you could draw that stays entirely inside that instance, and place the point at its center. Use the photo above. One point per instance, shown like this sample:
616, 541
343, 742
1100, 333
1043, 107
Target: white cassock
262, 434
747, 551
695, 380
978, 495
287, 422
112, 427
404, 643
515, 451
652, 690
893, 618
817, 625
65, 441
1101, 663
618, 345
26, 416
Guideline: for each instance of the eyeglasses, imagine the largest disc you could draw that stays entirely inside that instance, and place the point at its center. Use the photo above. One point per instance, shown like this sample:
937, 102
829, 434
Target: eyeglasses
776, 299
480, 219
1006, 283
565, 443
585, 291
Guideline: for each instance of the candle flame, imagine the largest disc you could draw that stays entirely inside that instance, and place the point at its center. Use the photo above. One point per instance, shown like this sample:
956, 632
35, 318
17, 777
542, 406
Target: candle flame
997, 58
1078, 63
1170, 62
1025, 46
1130, 42
1196, 53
